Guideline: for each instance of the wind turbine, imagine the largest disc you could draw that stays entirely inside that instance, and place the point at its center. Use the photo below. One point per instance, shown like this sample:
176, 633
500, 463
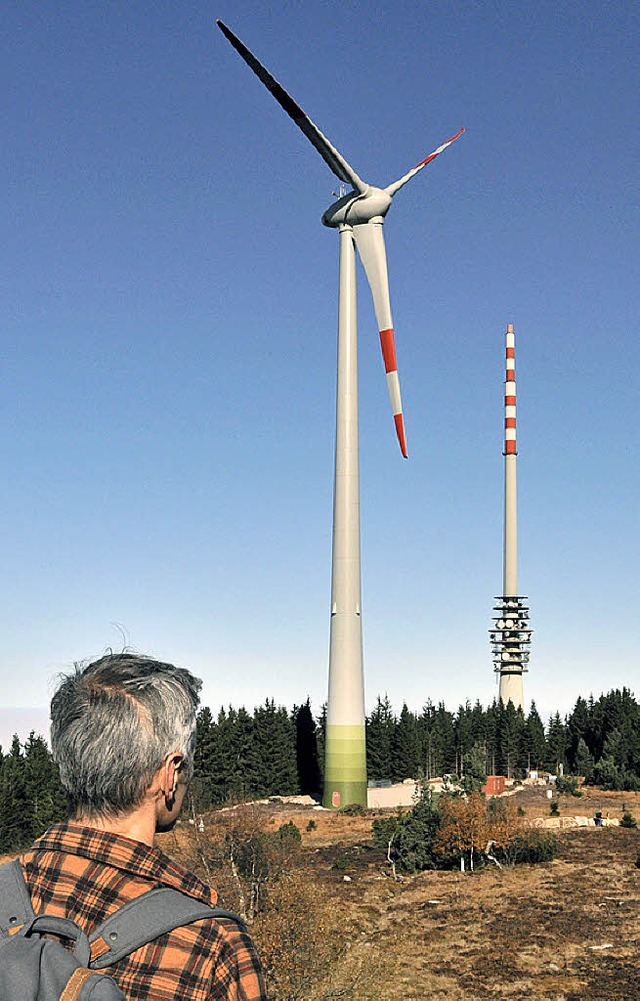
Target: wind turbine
358, 216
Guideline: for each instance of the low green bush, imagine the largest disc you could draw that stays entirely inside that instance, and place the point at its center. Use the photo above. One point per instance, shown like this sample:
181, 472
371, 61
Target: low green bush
352, 810
408, 838
289, 832
531, 847
567, 785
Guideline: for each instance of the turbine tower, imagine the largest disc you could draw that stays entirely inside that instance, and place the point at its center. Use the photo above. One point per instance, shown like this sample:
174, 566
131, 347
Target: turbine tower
358, 216
511, 635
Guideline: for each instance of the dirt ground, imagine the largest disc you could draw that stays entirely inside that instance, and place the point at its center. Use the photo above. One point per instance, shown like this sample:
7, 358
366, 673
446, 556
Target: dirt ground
567, 929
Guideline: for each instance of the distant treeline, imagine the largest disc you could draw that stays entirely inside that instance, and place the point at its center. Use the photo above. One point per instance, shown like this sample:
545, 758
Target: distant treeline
275, 751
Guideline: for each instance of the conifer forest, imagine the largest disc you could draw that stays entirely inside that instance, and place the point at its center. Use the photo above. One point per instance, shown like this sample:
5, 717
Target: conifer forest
271, 751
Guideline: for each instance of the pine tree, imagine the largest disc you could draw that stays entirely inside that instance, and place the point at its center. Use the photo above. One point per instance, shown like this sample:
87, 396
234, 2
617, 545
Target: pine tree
380, 731
405, 747
510, 739
494, 713
43, 789
203, 762
535, 744
212, 779
233, 736
478, 723
16, 812
248, 778
583, 761
577, 727
556, 743
309, 777
464, 739
437, 737
445, 740
273, 770
321, 730
475, 768
426, 734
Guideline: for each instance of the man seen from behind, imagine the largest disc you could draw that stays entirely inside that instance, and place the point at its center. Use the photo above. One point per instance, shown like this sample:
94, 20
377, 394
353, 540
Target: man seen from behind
123, 737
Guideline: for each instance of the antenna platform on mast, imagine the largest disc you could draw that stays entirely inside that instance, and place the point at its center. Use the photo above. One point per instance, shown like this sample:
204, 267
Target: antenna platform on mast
510, 635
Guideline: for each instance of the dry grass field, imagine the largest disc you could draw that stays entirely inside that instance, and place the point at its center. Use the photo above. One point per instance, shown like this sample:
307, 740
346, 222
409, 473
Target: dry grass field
566, 929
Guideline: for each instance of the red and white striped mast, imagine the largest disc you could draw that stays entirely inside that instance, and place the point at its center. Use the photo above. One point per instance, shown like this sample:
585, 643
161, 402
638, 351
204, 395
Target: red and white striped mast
511, 635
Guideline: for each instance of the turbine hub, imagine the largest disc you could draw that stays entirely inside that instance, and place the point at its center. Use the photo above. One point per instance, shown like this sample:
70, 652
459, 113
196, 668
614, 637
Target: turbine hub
353, 209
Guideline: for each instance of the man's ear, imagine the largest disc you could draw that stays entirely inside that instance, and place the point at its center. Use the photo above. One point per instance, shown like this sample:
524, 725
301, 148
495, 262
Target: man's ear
171, 775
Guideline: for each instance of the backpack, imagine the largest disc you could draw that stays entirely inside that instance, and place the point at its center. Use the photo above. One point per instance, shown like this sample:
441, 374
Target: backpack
33, 968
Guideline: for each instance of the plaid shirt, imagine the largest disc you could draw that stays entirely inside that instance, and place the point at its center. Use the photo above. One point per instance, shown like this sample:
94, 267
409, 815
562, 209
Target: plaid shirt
84, 874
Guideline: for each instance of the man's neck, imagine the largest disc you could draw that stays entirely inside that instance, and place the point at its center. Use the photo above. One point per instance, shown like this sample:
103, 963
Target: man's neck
139, 825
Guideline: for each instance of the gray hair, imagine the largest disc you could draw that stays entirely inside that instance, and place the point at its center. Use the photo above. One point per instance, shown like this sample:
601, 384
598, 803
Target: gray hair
113, 722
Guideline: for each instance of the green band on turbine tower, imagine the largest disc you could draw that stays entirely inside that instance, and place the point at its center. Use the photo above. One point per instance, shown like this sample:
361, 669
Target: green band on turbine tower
345, 766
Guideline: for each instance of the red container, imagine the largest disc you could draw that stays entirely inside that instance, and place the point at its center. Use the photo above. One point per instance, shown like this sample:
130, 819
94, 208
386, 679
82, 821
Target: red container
494, 785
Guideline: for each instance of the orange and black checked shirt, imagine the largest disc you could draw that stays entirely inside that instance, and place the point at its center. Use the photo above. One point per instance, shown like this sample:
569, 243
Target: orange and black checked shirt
84, 874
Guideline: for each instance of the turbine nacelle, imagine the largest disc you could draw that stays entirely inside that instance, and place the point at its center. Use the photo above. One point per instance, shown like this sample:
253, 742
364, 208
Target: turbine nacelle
354, 209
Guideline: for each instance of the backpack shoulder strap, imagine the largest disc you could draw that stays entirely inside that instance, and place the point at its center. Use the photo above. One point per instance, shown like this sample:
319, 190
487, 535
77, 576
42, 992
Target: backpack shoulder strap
144, 919
15, 902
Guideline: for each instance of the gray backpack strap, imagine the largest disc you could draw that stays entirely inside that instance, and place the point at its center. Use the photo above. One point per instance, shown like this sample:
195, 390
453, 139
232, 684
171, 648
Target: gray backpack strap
15, 902
145, 918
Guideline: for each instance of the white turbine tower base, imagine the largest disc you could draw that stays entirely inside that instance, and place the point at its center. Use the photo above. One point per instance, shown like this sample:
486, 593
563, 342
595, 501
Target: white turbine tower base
345, 777
359, 217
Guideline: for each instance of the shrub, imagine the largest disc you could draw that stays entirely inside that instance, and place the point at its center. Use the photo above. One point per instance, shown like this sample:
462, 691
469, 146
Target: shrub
475, 768
567, 785
628, 820
289, 833
246, 859
436, 837
608, 775
408, 838
554, 808
352, 810
310, 952
311, 826
464, 829
530, 846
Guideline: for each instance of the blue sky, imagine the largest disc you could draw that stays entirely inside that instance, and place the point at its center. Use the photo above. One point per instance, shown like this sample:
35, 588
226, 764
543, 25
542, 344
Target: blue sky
170, 332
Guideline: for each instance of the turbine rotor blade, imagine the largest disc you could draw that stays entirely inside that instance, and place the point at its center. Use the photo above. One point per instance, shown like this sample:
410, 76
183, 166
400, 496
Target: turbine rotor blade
328, 152
369, 240
393, 188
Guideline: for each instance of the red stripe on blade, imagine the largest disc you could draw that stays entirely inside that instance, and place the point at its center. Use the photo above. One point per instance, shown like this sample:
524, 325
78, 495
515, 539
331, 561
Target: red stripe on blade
388, 350
432, 156
400, 433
